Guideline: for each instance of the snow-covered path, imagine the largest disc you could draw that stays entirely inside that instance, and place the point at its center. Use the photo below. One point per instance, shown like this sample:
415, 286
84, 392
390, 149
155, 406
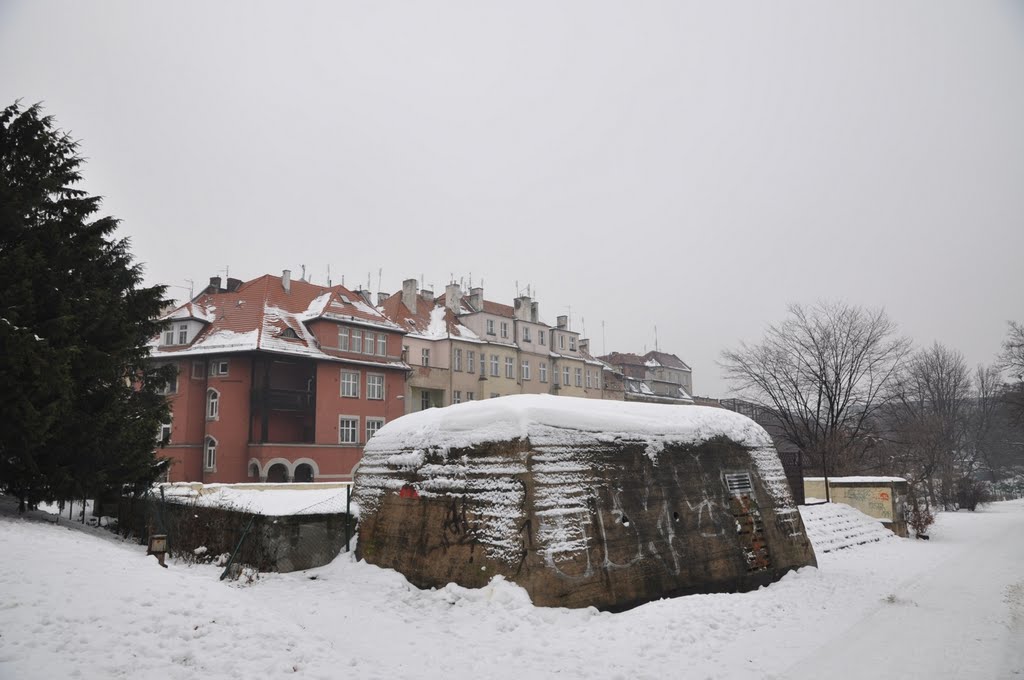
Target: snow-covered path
963, 617
76, 604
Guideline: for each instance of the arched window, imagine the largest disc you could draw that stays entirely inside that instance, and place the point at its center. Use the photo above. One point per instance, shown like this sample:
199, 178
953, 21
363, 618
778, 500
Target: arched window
212, 405
210, 454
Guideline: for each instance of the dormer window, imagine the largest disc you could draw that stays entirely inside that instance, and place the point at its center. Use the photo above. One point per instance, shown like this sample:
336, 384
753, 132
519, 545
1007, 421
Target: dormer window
572, 343
290, 334
490, 327
176, 334
183, 334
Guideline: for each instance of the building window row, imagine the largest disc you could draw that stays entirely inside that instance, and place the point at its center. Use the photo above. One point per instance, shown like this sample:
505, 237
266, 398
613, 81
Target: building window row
358, 342
350, 385
348, 429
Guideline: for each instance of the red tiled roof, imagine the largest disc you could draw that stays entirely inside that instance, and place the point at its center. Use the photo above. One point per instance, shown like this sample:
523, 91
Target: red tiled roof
622, 359
257, 315
423, 322
667, 360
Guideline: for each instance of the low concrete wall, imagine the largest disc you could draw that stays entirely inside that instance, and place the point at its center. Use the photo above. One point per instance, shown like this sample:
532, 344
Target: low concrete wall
883, 498
282, 544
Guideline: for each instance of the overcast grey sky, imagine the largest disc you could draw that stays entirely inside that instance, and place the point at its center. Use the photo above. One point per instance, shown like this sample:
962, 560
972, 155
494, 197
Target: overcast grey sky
694, 166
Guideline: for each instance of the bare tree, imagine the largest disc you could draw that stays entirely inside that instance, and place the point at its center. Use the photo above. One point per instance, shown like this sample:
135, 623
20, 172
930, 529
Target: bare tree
929, 421
1011, 360
824, 372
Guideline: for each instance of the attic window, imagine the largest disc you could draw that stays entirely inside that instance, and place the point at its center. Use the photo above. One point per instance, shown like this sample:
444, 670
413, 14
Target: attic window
739, 483
289, 334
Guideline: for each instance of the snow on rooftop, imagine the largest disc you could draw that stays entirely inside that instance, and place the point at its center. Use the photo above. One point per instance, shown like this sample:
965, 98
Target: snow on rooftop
317, 306
223, 339
438, 328
857, 479
262, 499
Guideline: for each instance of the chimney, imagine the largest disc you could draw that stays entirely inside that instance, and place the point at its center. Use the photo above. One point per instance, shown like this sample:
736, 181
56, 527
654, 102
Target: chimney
476, 298
584, 345
453, 297
214, 284
234, 284
521, 307
534, 312
562, 322
409, 294
366, 295
428, 296
286, 280
381, 297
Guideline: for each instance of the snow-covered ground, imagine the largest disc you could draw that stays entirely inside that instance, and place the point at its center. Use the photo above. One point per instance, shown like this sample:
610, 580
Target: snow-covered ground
75, 602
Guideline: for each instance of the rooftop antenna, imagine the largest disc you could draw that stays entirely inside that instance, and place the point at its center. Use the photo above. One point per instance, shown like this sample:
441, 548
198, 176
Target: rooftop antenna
303, 272
342, 280
328, 275
655, 337
604, 350
471, 279
191, 286
517, 288
583, 322
380, 273
368, 279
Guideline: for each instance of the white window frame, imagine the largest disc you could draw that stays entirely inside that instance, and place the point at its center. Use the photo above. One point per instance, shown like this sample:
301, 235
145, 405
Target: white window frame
494, 365
169, 335
373, 424
504, 329
457, 359
373, 387
162, 438
349, 384
182, 334
470, 396
382, 344
219, 368
543, 372
579, 377
457, 396
565, 376
525, 370
470, 361
490, 327
212, 404
356, 345
369, 342
425, 356
543, 336
343, 338
561, 341
510, 367
210, 454
572, 343
526, 334
348, 425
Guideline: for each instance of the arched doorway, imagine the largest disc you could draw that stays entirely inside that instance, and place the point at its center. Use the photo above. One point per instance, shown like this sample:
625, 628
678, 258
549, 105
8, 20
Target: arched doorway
303, 472
277, 473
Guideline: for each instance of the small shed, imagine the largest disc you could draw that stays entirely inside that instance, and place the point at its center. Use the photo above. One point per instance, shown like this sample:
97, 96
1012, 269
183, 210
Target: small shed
582, 502
884, 498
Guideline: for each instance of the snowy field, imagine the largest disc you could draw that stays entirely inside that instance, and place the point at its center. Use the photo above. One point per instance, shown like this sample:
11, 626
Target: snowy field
77, 603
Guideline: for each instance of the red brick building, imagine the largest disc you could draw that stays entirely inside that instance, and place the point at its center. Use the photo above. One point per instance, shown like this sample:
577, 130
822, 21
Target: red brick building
278, 380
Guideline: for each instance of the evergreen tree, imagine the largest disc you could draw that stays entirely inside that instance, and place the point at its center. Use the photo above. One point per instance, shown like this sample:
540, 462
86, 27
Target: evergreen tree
80, 405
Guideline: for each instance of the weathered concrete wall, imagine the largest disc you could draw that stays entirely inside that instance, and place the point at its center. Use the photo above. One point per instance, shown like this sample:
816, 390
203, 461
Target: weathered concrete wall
883, 498
608, 525
283, 544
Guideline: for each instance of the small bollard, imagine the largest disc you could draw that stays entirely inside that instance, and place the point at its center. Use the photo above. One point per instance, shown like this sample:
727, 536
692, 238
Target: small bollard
158, 547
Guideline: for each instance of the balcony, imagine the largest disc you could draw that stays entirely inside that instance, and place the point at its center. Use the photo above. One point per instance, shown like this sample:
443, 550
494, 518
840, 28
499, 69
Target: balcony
274, 399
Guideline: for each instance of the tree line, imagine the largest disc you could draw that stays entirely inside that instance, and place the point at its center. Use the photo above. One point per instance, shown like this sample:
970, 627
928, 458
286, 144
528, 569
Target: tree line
854, 397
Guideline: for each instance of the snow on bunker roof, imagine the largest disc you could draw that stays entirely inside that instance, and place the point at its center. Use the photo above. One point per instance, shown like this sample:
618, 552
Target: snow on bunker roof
543, 417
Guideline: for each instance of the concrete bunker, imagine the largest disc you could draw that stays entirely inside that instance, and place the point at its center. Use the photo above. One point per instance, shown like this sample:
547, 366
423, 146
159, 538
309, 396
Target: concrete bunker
581, 502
